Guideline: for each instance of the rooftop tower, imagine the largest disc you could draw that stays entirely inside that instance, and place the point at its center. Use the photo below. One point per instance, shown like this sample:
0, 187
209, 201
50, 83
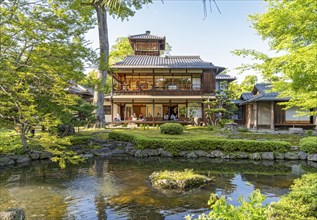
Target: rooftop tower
147, 44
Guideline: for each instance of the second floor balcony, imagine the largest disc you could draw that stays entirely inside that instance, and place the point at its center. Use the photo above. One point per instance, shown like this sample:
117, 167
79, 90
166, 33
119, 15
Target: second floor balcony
158, 89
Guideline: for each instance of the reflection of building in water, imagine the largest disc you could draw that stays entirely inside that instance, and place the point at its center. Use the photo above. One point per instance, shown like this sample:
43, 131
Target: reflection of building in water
100, 167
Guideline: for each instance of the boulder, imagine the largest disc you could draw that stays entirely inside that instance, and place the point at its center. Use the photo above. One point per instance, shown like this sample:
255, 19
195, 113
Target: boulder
279, 156
239, 155
6, 160
140, 153
35, 155
45, 155
267, 156
201, 153
255, 156
233, 127
291, 156
12, 214
191, 154
101, 152
312, 157
23, 159
216, 154
130, 150
227, 156
181, 184
152, 152
118, 151
302, 155
296, 130
164, 153
183, 153
87, 156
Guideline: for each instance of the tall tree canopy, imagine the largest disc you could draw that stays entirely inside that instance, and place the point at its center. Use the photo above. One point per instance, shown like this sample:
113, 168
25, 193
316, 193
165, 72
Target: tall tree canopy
290, 28
118, 8
41, 50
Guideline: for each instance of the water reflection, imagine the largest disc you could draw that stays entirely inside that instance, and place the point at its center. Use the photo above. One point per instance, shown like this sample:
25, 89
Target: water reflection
118, 188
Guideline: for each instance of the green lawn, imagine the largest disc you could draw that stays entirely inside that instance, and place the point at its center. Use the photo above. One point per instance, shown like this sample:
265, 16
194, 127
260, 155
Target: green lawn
203, 132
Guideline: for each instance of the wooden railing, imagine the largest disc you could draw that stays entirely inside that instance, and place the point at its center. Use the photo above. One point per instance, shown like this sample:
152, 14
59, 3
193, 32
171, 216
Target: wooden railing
166, 90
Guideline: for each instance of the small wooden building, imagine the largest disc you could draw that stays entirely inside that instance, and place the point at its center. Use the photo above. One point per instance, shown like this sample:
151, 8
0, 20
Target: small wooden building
262, 108
159, 87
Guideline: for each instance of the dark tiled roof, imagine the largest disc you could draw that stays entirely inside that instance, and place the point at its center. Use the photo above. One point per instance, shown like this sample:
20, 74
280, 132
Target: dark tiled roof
264, 89
173, 62
146, 36
263, 95
247, 95
80, 90
225, 77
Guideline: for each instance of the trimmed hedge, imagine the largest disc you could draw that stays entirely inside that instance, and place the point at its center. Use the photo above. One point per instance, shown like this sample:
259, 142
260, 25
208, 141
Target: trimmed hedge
176, 145
172, 128
308, 145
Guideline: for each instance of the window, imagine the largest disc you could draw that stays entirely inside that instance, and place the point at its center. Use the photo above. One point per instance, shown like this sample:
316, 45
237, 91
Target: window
290, 115
159, 82
196, 83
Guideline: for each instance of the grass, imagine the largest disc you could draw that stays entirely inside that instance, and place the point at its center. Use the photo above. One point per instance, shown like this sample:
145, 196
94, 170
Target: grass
9, 141
188, 133
203, 132
177, 175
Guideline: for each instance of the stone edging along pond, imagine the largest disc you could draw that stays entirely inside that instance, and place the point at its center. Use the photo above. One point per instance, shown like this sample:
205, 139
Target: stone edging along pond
113, 148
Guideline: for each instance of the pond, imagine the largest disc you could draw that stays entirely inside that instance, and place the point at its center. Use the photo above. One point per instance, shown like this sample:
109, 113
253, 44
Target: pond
118, 188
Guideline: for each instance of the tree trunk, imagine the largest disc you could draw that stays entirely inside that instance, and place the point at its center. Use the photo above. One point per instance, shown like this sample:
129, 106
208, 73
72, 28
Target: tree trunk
99, 93
23, 135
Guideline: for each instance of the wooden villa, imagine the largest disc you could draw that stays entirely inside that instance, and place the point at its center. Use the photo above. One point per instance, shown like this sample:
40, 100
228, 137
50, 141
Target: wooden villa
159, 88
262, 108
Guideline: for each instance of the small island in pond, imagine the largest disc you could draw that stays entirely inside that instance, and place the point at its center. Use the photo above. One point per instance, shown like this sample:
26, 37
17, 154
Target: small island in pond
178, 180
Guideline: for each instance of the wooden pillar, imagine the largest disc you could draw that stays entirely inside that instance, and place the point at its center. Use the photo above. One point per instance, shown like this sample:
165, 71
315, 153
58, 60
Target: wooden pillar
153, 85
256, 116
202, 111
111, 101
132, 107
153, 107
272, 115
186, 108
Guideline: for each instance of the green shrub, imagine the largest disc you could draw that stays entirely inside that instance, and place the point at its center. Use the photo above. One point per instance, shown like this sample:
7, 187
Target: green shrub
309, 133
121, 136
223, 122
80, 139
210, 128
172, 128
243, 129
176, 145
308, 145
300, 203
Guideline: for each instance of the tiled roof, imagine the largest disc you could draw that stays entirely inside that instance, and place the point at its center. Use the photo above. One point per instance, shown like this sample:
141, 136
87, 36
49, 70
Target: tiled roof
225, 77
80, 90
263, 88
263, 94
247, 95
142, 61
146, 36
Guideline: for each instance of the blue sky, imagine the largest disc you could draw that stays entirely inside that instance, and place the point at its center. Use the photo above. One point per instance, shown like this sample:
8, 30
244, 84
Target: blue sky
182, 23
